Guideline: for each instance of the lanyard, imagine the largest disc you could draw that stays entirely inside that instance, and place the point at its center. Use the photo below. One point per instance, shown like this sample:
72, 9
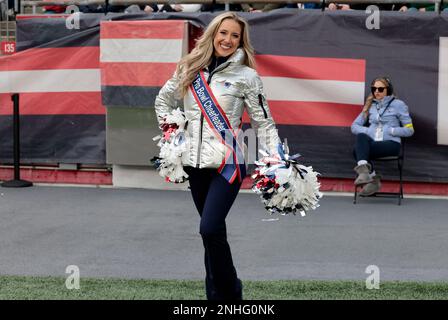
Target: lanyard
387, 106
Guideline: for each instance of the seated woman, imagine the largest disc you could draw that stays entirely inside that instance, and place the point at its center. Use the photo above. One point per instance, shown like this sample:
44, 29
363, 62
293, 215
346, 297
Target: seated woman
378, 129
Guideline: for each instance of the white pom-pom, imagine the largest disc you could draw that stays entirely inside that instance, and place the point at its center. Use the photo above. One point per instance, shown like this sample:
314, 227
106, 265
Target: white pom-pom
284, 185
172, 144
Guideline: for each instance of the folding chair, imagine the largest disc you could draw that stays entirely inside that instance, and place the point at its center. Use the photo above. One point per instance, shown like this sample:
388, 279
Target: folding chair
399, 160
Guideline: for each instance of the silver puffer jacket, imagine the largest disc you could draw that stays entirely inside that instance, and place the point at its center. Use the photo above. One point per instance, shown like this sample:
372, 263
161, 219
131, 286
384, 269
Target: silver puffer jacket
234, 86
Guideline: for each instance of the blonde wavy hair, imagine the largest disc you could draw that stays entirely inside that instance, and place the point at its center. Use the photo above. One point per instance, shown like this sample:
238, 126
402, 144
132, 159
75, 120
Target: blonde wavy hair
202, 54
370, 97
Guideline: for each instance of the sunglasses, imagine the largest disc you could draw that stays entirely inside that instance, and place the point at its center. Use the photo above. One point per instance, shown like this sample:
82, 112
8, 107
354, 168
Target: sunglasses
380, 89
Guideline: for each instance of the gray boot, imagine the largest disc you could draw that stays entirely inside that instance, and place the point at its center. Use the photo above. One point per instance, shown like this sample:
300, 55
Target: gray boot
363, 174
372, 187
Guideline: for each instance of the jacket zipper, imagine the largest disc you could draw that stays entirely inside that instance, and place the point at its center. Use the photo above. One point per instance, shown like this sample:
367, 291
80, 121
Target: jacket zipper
198, 159
260, 101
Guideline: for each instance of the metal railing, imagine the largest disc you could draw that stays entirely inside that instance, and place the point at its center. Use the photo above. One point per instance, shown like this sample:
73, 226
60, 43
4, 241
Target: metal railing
322, 3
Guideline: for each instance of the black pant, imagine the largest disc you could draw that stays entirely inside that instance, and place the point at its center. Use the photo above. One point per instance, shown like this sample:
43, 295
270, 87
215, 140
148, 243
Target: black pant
213, 197
367, 149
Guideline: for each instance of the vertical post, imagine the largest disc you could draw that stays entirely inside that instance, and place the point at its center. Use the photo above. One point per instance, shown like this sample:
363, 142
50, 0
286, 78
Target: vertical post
7, 21
16, 182
16, 136
17, 6
323, 4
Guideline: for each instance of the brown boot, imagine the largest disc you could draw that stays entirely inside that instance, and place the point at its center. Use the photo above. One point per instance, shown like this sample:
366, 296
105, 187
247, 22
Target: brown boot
372, 187
363, 174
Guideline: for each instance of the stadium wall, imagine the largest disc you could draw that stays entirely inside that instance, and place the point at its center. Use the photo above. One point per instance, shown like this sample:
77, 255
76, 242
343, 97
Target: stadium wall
316, 67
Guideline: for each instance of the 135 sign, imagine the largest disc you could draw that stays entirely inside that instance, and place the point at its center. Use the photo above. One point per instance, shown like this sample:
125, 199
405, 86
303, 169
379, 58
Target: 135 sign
8, 47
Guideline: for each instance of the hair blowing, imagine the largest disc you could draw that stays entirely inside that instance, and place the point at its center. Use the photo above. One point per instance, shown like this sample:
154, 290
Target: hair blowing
201, 56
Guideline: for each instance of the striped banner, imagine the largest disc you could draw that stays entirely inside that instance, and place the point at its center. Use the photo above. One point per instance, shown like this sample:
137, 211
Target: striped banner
138, 57
313, 91
52, 81
57, 74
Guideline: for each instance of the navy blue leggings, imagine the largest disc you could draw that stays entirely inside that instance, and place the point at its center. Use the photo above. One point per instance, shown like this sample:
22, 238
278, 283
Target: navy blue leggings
367, 149
213, 197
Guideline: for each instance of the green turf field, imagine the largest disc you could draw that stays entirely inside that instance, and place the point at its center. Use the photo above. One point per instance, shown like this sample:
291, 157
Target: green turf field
19, 287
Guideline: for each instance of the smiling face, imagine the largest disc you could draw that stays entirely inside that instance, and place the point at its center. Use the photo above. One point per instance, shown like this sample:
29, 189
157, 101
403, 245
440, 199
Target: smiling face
228, 38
